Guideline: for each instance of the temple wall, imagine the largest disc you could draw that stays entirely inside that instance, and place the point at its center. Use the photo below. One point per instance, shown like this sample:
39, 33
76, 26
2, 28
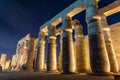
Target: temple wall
115, 29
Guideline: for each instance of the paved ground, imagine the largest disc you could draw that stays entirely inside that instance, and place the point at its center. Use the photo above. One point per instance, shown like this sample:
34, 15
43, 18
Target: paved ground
49, 76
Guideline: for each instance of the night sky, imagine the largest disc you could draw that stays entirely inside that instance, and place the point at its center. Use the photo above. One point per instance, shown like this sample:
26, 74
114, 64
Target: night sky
20, 17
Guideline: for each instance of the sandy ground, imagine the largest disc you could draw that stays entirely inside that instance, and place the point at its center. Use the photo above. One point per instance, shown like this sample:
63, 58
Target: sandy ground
49, 76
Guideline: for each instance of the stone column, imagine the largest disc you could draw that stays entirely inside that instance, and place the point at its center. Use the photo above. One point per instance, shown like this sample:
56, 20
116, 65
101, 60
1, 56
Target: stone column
3, 60
111, 53
13, 62
25, 54
98, 54
51, 56
40, 59
81, 55
7, 65
31, 55
68, 61
60, 54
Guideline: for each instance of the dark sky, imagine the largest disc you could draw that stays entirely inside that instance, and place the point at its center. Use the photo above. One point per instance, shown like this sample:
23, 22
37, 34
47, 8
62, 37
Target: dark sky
20, 17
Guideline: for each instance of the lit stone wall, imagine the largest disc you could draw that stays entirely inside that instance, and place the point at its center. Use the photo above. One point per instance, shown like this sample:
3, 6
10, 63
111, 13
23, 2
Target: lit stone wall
22, 51
115, 30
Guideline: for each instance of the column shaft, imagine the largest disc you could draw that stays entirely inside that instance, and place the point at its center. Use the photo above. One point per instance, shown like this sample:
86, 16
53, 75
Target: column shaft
68, 61
31, 55
40, 60
81, 55
51, 57
60, 55
98, 54
68, 56
111, 53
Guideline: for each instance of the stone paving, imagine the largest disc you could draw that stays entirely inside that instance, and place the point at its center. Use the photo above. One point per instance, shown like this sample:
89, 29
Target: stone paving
49, 76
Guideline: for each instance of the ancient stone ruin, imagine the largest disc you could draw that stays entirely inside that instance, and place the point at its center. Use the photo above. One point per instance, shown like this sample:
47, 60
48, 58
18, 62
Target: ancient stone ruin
96, 53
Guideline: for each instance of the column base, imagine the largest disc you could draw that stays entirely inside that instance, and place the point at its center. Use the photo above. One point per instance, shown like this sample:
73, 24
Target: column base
116, 76
39, 70
55, 71
69, 73
101, 74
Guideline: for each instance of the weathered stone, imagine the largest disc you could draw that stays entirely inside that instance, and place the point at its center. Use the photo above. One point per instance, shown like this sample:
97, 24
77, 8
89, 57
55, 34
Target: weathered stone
13, 62
51, 57
82, 58
3, 61
68, 56
40, 59
114, 30
31, 55
110, 50
7, 65
98, 53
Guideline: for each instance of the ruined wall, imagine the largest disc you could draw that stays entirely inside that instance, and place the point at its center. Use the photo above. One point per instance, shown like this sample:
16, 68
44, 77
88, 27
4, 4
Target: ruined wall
22, 51
115, 35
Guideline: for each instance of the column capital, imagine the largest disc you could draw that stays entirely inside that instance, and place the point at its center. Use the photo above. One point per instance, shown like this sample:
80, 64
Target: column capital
88, 3
69, 30
24, 47
98, 17
106, 29
52, 37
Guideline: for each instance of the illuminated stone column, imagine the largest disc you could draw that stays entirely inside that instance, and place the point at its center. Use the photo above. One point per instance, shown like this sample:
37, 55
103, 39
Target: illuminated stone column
3, 60
25, 54
31, 54
111, 53
40, 59
51, 56
68, 56
82, 64
98, 54
7, 65
13, 62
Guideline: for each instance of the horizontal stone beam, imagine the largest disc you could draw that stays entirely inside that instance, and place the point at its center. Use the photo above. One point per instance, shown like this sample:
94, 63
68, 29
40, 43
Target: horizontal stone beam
78, 5
111, 8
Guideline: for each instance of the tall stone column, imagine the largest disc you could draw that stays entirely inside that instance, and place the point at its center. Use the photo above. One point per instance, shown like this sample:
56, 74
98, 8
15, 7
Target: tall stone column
31, 55
7, 65
13, 62
68, 61
60, 54
98, 54
110, 50
25, 53
40, 59
82, 64
51, 56
3, 60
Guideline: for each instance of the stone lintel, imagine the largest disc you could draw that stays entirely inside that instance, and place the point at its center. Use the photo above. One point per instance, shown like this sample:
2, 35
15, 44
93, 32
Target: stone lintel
111, 8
